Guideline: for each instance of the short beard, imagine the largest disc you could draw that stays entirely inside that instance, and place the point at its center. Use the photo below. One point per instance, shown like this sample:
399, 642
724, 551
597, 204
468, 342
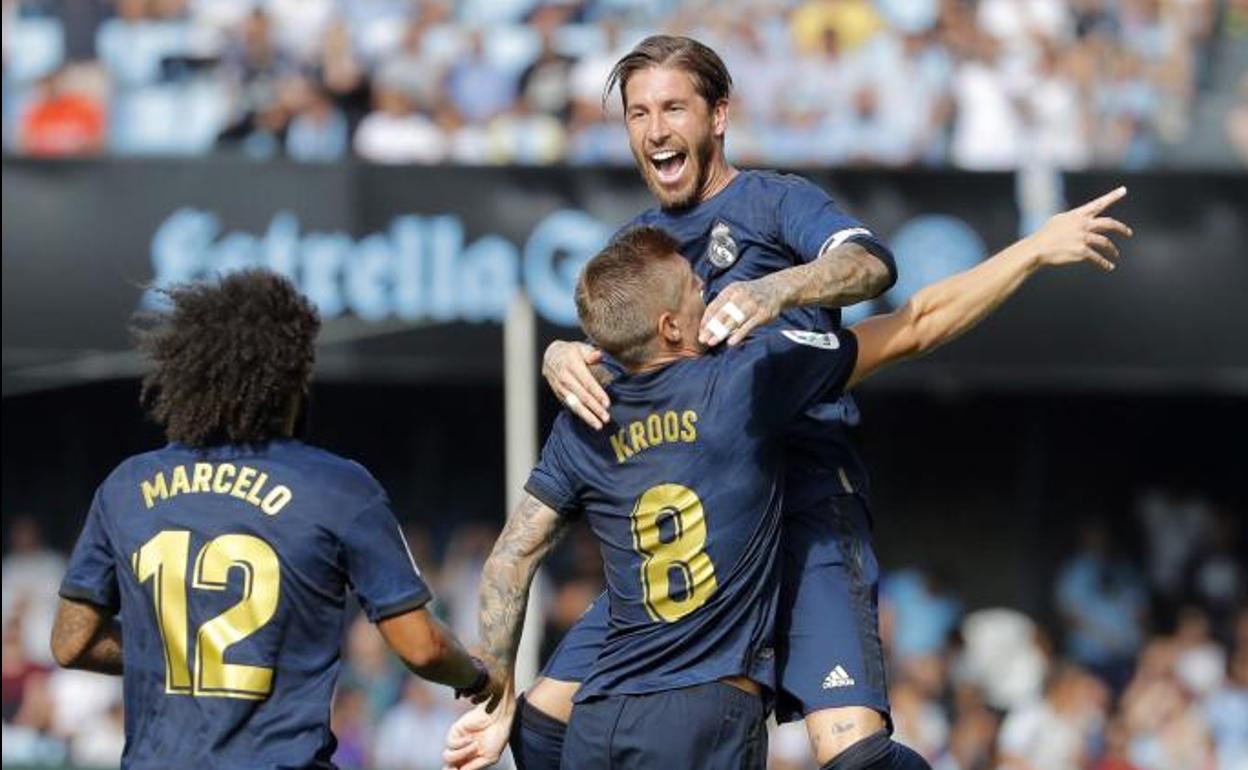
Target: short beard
702, 153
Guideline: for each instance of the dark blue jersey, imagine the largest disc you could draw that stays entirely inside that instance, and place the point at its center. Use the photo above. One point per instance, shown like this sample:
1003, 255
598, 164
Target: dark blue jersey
230, 568
683, 490
760, 223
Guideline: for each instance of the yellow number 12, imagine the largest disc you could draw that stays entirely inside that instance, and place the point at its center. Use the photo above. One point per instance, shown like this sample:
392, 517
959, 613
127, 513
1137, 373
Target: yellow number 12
164, 560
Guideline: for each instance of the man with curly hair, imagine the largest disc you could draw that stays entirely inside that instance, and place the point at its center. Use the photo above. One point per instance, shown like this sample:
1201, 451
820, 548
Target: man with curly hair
227, 554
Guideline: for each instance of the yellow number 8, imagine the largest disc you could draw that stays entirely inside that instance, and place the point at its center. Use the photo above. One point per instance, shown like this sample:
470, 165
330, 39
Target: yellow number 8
684, 551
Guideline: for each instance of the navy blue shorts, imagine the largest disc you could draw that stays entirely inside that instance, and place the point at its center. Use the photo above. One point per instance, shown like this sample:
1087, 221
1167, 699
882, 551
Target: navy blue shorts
828, 650
828, 641
712, 726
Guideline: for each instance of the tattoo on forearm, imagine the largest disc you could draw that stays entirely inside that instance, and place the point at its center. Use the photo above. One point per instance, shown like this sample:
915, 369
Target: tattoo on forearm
530, 533
842, 275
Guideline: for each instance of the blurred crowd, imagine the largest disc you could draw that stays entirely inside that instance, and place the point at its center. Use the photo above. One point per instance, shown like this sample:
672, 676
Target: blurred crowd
975, 84
1140, 664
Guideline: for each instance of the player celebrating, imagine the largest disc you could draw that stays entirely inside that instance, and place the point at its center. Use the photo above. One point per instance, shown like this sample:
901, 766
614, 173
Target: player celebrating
228, 553
685, 499
767, 246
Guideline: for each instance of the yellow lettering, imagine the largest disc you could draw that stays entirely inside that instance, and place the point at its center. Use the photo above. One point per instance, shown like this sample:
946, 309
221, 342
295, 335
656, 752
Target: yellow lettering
253, 496
637, 432
201, 481
220, 482
180, 482
622, 450
154, 489
689, 432
242, 482
276, 500
654, 427
671, 427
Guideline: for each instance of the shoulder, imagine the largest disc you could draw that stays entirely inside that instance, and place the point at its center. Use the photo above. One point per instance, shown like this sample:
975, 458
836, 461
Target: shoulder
646, 218
779, 183
343, 475
135, 467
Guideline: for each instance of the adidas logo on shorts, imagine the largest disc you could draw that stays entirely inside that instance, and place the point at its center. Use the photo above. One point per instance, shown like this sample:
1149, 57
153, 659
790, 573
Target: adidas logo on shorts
838, 677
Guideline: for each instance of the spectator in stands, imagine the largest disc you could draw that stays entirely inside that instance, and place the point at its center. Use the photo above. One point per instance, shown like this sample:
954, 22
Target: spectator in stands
412, 71
397, 131
1174, 527
1053, 109
1166, 724
853, 22
987, 126
31, 574
66, 117
919, 718
973, 736
18, 669
545, 86
401, 742
1103, 603
1058, 731
318, 131
920, 613
477, 87
28, 738
1226, 710
343, 74
254, 64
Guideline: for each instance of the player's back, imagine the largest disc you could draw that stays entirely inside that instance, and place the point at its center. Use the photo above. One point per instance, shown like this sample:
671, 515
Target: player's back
683, 490
231, 567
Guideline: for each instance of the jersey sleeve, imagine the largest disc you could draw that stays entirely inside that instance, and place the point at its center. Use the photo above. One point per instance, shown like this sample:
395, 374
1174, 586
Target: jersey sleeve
810, 221
794, 370
92, 572
379, 564
554, 480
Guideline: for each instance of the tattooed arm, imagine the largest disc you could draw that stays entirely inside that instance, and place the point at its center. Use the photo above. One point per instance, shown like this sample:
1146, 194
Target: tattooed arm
843, 274
531, 532
87, 637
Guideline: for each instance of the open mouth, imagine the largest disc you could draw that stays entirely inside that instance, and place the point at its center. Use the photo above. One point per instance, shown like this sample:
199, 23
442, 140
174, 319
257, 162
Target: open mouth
668, 165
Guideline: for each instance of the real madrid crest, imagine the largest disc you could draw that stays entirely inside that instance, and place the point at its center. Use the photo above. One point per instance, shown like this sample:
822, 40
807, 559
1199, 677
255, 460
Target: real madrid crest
722, 249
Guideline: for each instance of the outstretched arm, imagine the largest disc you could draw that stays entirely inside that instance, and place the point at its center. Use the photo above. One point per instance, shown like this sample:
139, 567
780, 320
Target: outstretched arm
947, 309
87, 637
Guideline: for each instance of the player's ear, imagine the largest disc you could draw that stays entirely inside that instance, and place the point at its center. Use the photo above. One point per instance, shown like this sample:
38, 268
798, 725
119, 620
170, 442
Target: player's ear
719, 117
670, 334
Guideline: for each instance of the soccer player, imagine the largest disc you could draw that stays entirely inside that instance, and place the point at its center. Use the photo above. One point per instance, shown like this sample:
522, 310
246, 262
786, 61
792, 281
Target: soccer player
227, 554
684, 495
766, 245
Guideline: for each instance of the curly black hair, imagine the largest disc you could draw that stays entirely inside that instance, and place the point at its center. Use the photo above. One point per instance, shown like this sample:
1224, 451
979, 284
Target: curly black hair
230, 356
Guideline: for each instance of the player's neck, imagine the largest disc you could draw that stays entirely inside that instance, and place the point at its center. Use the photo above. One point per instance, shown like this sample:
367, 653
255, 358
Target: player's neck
665, 358
720, 174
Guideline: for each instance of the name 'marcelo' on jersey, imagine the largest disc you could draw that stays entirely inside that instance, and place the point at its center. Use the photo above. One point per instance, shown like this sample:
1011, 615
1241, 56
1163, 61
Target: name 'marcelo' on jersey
229, 568
763, 222
683, 491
